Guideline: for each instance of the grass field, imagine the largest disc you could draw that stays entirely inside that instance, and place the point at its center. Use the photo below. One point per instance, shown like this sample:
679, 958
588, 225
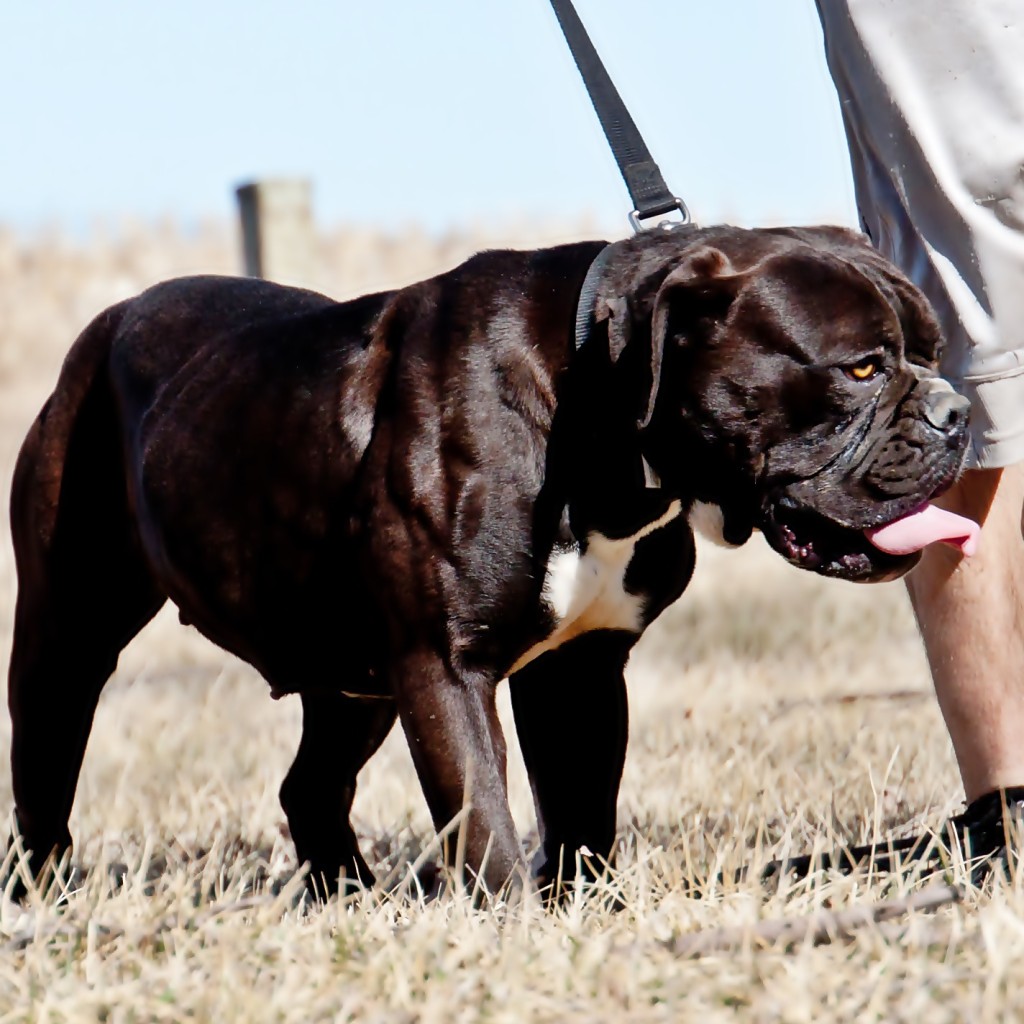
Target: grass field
770, 710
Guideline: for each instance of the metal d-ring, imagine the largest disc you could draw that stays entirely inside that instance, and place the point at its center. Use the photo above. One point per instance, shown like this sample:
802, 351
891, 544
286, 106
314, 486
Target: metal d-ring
677, 204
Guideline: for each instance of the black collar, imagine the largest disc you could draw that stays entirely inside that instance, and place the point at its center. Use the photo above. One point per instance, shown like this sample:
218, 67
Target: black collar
585, 318
588, 294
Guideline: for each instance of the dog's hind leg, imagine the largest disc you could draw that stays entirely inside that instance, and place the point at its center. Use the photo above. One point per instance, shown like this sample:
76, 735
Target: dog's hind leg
339, 735
84, 590
572, 721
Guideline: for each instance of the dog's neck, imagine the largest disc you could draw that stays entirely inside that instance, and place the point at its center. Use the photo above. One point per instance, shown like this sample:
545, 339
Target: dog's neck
725, 500
616, 475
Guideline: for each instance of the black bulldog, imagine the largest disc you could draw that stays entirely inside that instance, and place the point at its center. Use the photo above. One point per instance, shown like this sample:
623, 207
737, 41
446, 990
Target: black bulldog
362, 499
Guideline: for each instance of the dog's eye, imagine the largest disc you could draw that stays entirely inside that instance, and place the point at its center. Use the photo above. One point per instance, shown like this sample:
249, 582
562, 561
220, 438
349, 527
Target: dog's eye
864, 370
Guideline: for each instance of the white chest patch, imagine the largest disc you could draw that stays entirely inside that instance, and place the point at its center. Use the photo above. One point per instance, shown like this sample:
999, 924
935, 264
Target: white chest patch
709, 521
591, 593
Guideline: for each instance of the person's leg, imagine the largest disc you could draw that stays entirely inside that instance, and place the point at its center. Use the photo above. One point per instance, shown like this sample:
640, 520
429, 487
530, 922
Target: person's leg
932, 99
971, 615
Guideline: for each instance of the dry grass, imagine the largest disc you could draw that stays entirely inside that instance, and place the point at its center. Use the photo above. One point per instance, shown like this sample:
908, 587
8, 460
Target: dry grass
742, 747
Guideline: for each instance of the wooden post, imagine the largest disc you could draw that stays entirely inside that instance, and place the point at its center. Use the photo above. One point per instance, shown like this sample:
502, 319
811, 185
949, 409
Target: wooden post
277, 230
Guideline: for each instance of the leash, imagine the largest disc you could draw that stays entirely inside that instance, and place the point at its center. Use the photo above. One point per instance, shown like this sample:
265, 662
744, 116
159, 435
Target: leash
647, 189
650, 194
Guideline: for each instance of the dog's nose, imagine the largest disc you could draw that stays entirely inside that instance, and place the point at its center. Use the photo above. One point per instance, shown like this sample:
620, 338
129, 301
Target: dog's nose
945, 410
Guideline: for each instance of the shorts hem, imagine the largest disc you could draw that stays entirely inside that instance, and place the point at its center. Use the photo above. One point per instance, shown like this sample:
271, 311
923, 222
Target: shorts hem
997, 420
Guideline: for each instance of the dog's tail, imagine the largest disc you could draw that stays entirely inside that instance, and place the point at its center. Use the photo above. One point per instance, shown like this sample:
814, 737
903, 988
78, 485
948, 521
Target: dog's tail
75, 434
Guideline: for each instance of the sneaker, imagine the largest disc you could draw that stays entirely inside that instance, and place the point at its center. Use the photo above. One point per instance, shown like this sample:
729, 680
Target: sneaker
979, 834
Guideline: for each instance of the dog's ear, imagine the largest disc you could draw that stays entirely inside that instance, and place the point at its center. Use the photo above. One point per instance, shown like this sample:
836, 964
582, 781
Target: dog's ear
922, 336
700, 287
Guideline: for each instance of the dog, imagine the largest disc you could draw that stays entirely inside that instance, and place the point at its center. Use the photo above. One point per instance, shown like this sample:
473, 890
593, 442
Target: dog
363, 500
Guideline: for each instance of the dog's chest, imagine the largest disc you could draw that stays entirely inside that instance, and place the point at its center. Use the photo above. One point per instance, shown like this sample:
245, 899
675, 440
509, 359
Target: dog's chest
598, 589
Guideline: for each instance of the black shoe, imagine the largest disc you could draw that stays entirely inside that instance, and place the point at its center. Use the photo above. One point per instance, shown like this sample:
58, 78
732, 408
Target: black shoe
979, 833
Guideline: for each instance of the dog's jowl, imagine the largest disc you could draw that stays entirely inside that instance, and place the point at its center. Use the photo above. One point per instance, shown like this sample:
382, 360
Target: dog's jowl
362, 499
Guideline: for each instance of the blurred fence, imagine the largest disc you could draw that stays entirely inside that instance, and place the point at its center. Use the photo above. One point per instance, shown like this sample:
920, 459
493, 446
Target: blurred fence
276, 219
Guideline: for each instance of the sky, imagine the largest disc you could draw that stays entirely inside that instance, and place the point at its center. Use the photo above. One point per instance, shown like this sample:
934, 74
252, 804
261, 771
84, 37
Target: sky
448, 114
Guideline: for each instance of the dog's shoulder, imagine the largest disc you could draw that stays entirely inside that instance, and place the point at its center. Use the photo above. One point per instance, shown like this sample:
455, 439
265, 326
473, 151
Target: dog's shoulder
509, 266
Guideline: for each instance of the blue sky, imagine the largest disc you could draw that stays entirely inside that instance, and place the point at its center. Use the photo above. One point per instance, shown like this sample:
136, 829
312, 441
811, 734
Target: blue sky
445, 114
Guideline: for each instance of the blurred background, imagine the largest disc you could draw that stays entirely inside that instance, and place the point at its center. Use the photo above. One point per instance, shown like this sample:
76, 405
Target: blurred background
462, 113
422, 132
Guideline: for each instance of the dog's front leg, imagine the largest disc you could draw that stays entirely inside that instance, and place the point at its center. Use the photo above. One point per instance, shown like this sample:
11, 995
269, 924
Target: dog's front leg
459, 752
572, 720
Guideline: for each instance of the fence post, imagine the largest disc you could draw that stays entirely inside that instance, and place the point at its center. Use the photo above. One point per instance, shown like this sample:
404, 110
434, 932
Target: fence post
277, 230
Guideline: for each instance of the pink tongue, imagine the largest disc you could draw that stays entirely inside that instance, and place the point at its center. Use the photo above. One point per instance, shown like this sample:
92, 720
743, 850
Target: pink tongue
922, 527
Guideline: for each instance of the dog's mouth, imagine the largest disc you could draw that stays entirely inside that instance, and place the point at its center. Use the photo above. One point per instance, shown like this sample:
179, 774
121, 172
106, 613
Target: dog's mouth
811, 541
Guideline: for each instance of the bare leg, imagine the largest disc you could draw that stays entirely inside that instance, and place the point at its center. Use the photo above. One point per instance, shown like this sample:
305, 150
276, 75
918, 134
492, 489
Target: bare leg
971, 616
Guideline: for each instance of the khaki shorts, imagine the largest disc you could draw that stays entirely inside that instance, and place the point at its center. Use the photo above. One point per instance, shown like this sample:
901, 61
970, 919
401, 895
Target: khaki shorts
932, 97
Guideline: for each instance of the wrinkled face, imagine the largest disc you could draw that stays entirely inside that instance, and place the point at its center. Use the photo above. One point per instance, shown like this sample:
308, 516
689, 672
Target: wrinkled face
795, 374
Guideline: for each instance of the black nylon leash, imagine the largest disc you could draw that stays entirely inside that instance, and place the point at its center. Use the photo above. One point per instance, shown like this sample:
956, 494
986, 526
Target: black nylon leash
651, 196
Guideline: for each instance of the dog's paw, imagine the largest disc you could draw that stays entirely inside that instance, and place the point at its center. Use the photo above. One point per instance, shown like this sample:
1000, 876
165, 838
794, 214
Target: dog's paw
17, 922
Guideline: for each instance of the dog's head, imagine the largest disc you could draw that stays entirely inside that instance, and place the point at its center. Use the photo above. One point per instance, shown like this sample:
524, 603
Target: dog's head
788, 377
